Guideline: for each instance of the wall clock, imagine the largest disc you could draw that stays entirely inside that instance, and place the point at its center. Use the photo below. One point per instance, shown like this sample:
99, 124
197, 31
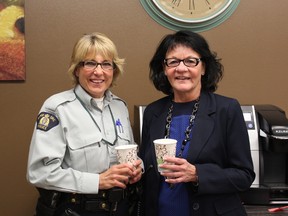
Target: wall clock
195, 15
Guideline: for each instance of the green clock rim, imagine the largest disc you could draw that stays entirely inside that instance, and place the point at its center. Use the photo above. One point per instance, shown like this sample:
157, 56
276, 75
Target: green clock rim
176, 25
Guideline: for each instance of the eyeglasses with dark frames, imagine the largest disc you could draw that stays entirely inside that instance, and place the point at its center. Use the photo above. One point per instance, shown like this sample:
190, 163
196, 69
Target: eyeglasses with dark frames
92, 65
189, 62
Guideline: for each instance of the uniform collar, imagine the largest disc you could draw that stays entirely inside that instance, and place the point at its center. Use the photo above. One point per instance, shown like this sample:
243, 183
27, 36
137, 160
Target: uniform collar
88, 100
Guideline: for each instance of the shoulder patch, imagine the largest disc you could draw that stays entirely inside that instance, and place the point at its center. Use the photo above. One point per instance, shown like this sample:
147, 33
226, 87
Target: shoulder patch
46, 121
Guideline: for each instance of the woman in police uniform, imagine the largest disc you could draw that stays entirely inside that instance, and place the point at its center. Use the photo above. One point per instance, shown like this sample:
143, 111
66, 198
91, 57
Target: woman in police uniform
72, 158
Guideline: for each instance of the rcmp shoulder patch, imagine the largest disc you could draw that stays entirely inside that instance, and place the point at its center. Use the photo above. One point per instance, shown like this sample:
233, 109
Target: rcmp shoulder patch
46, 121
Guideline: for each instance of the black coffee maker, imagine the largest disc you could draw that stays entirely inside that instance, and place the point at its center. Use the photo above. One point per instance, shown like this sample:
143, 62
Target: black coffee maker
272, 158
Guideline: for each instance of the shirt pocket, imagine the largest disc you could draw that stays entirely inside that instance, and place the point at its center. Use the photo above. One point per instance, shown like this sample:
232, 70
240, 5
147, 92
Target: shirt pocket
124, 135
86, 153
124, 138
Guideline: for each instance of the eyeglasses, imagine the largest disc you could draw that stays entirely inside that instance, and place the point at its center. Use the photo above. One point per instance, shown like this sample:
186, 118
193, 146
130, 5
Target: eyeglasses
92, 65
189, 62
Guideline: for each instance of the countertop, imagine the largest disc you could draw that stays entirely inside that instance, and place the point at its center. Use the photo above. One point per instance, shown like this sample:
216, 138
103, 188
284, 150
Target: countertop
257, 210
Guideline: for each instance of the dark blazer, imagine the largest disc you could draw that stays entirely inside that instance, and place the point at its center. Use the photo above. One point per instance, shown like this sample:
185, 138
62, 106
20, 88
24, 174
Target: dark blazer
219, 149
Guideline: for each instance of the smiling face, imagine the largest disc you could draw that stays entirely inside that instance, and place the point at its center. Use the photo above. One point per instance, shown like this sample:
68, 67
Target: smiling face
96, 81
185, 81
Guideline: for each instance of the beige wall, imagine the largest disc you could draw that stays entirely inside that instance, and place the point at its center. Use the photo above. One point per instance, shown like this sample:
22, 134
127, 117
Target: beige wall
252, 43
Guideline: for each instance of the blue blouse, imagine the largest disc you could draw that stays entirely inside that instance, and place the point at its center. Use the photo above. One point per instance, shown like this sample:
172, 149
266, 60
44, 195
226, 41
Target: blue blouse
175, 200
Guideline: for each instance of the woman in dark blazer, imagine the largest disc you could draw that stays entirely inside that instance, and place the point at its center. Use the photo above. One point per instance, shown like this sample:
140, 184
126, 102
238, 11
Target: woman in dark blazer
213, 161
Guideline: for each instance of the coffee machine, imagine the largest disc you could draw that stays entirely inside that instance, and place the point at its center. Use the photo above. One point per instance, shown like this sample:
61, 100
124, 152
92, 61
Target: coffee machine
267, 127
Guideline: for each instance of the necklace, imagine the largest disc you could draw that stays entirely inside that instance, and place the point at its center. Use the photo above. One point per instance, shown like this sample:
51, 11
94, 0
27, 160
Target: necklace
188, 129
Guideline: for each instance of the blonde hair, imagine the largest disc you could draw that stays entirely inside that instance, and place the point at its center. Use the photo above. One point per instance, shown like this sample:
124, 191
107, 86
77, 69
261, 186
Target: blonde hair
95, 43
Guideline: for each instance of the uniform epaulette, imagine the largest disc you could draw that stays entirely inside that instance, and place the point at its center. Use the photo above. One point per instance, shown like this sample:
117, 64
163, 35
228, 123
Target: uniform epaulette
114, 97
57, 99
120, 99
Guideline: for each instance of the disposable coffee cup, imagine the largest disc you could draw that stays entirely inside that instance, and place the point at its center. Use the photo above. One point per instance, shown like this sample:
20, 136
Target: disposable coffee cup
126, 153
164, 147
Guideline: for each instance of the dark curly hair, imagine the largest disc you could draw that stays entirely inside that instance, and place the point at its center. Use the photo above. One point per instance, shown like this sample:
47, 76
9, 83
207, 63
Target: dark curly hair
213, 67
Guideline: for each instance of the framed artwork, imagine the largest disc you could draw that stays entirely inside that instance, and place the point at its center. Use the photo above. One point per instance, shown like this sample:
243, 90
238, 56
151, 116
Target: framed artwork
12, 40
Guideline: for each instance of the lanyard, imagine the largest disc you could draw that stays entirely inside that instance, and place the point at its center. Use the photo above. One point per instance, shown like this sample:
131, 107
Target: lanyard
112, 117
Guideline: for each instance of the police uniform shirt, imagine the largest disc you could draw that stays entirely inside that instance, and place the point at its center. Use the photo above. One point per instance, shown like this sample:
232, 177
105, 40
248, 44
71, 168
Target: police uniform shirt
74, 141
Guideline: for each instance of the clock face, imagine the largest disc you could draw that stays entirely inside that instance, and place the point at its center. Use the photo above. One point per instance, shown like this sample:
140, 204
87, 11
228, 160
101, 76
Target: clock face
196, 15
192, 10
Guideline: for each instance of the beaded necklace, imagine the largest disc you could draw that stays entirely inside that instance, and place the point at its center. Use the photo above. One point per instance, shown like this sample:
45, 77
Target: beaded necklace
188, 129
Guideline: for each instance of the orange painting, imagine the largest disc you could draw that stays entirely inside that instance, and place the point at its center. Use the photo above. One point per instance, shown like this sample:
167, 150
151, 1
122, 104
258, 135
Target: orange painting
12, 41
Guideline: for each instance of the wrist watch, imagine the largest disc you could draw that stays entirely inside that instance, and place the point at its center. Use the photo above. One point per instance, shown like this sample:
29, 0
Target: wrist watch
196, 15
